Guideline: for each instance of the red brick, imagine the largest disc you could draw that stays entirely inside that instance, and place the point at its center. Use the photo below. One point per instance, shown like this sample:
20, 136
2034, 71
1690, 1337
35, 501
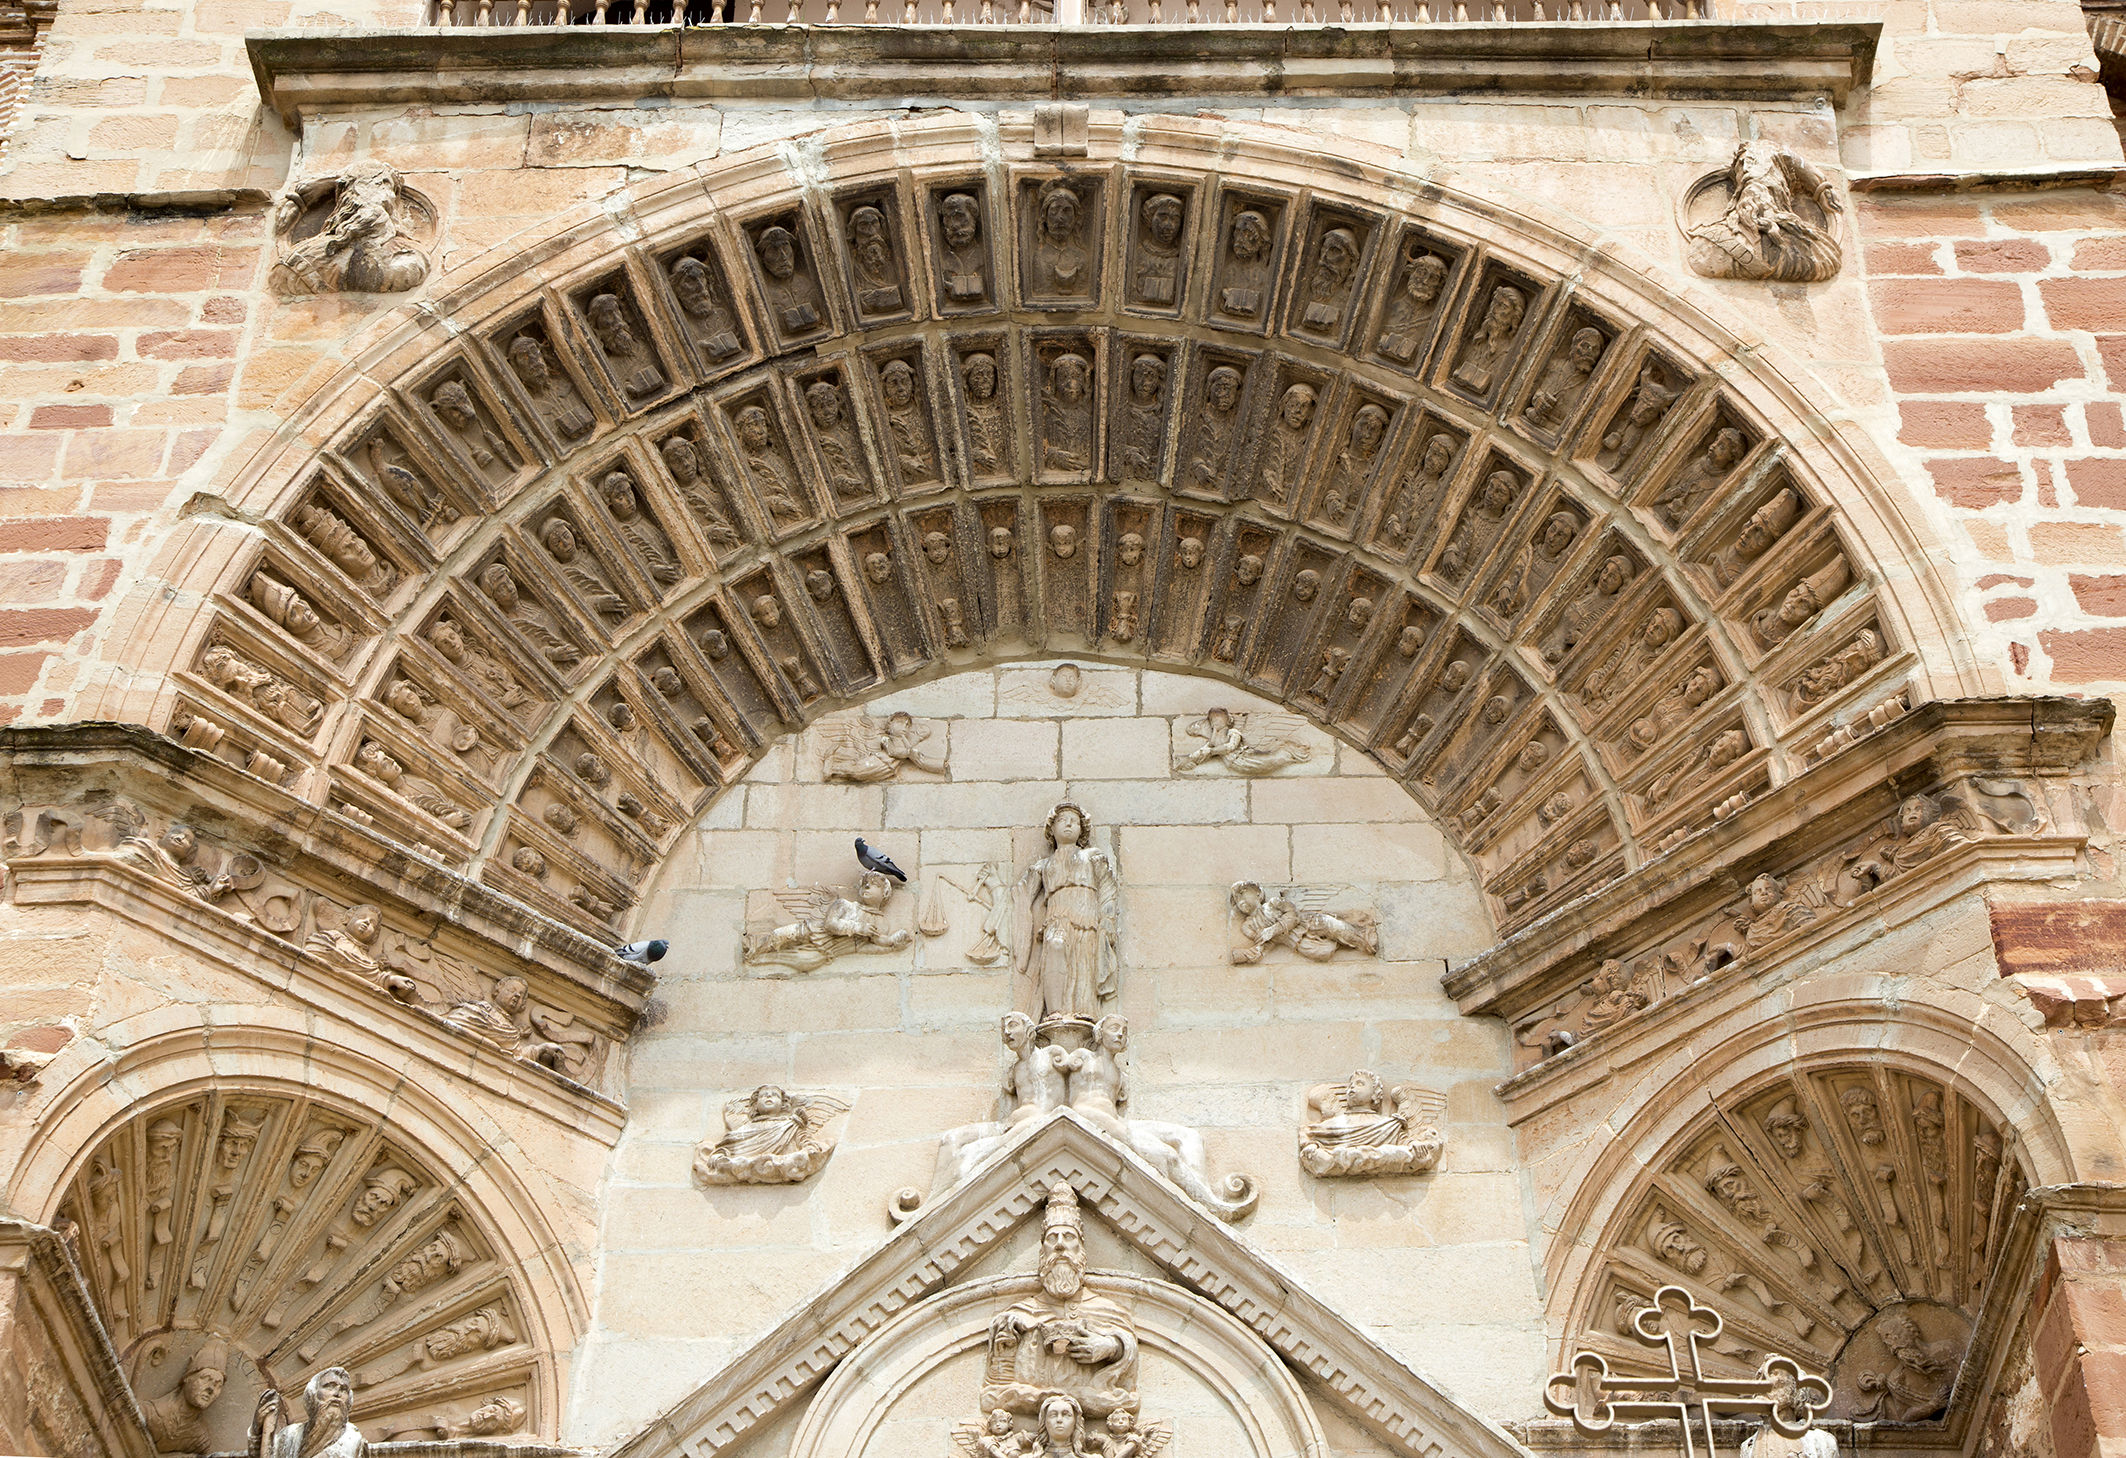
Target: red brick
2095, 655
102, 455
188, 344
2099, 1311
191, 445
2007, 609
55, 534
178, 270
223, 311
48, 1039
2095, 255
2053, 1340
2073, 1429
31, 626
1944, 425
2098, 482
58, 348
18, 671
69, 417
2048, 495
1919, 218
204, 379
1995, 579
1991, 367
1887, 258
2111, 348
42, 273
25, 458
2003, 255
100, 579
1976, 482
2107, 424
2100, 597
2084, 303
1948, 306
2104, 1375
2059, 212
2041, 425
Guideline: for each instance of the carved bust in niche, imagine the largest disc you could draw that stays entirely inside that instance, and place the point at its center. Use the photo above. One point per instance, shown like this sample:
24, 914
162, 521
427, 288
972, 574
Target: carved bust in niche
988, 428
1214, 427
878, 278
790, 290
1066, 416
615, 333
1411, 311
1244, 282
1328, 285
1156, 272
553, 393
963, 259
1063, 263
702, 301
1489, 348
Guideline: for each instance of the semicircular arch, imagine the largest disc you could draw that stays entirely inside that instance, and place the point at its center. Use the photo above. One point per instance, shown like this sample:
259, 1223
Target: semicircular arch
305, 1206
577, 540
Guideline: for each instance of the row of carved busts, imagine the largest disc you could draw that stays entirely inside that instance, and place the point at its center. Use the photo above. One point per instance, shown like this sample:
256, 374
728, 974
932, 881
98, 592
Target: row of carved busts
1849, 1217
1400, 514
1776, 909
356, 940
252, 1237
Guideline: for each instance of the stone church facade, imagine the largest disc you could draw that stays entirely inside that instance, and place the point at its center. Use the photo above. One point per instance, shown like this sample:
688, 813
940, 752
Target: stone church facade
1362, 733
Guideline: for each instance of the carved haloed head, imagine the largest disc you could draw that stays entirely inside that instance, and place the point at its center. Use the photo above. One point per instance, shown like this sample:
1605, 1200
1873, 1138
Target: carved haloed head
1251, 236
1070, 374
960, 220
1367, 428
1503, 314
1222, 389
777, 247
1162, 215
898, 381
753, 429
1059, 210
824, 404
980, 373
1297, 407
1338, 257
1147, 376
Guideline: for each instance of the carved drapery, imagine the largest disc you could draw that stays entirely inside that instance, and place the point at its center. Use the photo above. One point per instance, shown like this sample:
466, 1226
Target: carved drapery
1575, 579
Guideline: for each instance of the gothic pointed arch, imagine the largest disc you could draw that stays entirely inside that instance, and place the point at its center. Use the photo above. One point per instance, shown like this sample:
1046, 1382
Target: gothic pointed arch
554, 555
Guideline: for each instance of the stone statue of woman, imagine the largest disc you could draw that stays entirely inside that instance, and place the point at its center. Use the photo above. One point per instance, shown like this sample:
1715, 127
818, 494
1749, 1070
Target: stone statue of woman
1069, 961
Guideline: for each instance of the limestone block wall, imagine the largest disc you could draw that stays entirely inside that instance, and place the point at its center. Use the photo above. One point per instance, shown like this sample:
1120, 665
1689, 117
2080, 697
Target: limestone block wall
1439, 1266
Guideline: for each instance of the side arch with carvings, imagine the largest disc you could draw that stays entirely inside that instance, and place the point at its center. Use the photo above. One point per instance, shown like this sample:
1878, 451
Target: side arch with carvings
1561, 551
1819, 1181
302, 1205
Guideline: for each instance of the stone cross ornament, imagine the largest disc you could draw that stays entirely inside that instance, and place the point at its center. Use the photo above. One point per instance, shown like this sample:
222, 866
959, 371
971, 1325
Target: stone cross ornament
1786, 1397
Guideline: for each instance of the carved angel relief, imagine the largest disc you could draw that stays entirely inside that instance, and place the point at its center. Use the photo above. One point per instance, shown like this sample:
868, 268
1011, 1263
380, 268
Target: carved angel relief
867, 751
770, 1137
828, 924
1297, 917
1367, 1126
1250, 744
363, 232
1776, 218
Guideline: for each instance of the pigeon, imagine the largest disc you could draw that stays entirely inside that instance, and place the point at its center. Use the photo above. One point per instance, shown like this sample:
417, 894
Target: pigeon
643, 952
871, 860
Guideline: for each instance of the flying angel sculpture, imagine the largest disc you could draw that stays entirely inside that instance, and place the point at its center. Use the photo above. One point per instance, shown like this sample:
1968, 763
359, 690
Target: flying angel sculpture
1368, 1126
770, 1137
829, 924
1247, 744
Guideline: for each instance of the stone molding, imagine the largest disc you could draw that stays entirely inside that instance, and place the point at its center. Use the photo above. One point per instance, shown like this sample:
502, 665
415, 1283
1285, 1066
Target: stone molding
313, 863
61, 1352
1796, 833
301, 73
948, 1237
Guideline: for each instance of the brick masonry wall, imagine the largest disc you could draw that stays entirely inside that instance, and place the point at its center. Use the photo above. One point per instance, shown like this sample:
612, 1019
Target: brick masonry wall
2003, 323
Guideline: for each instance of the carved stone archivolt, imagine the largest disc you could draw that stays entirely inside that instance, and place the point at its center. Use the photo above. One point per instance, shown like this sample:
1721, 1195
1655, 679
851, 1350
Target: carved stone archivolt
242, 1247
1849, 1216
1415, 483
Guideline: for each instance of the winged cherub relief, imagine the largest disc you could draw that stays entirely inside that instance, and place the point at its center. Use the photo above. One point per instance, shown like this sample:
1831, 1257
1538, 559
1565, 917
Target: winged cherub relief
867, 751
828, 924
770, 1137
1296, 917
1249, 744
1367, 1126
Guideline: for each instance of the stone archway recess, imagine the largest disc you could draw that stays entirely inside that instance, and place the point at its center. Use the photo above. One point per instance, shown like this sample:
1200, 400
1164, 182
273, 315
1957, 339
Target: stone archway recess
502, 591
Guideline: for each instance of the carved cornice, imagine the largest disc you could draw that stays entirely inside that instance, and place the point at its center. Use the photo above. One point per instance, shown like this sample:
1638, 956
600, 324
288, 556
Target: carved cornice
303, 73
1804, 828
308, 864
931, 1249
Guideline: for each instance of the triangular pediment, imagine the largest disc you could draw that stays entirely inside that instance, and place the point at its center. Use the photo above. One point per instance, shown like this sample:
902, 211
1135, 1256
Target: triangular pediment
949, 1240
